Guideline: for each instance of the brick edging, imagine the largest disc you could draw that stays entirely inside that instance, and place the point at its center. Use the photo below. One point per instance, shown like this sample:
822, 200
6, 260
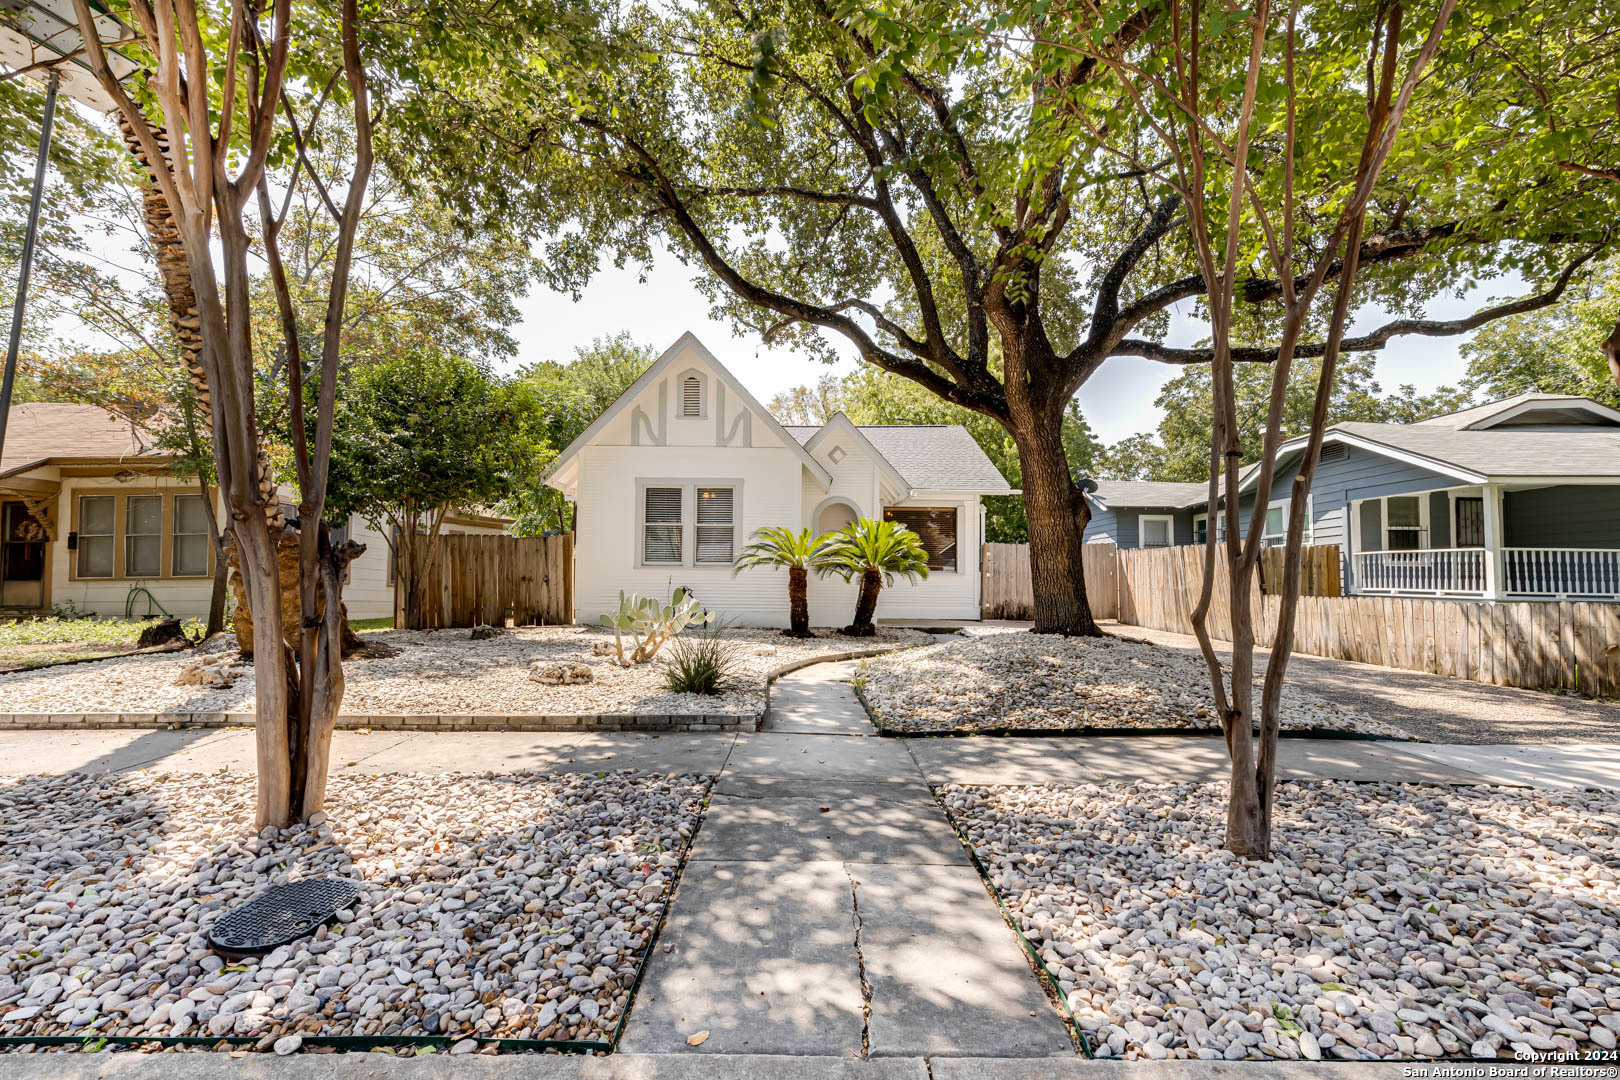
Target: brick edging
743, 721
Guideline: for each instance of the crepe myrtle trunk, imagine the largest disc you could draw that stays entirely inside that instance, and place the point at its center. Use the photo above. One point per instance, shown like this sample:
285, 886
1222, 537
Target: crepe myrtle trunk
1057, 512
866, 605
798, 601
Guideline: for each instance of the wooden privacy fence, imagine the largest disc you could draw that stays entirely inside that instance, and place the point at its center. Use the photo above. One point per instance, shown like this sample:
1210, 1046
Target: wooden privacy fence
1008, 593
478, 579
1540, 645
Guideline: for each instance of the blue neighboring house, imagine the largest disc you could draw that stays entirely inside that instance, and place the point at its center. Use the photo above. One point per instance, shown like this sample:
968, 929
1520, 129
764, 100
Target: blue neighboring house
1515, 499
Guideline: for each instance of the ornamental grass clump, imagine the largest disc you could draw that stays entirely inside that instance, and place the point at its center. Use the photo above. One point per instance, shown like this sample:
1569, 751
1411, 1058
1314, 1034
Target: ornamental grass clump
703, 663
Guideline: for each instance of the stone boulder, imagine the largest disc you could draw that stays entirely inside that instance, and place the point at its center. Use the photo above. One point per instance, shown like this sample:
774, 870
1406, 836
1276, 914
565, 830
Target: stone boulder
568, 673
484, 633
287, 556
217, 670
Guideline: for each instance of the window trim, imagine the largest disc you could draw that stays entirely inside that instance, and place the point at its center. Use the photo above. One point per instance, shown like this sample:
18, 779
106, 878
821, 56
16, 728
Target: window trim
1422, 528
1271, 539
956, 509
79, 534
1169, 530
689, 488
173, 533
1197, 520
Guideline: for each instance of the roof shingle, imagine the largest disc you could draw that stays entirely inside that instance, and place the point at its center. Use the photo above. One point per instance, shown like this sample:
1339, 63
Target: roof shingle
39, 431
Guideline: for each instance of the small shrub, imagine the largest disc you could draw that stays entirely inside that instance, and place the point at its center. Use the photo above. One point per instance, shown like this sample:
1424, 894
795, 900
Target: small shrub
703, 663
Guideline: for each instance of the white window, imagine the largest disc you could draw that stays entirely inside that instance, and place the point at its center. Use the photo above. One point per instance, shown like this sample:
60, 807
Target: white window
691, 396
189, 557
1403, 523
96, 524
661, 525
1276, 533
1200, 528
716, 525
1157, 530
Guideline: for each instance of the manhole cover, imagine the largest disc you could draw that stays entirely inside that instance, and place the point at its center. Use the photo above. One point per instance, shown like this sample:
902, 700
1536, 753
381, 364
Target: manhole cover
280, 914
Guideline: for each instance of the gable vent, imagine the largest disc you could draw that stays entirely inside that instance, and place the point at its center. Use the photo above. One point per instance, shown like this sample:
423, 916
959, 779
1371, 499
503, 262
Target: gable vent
691, 396
1334, 452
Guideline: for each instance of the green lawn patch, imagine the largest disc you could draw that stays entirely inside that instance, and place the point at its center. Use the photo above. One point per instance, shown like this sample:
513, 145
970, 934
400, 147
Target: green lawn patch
357, 625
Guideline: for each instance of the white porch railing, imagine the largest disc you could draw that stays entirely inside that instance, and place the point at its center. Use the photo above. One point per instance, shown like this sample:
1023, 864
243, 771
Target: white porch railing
1440, 572
1562, 572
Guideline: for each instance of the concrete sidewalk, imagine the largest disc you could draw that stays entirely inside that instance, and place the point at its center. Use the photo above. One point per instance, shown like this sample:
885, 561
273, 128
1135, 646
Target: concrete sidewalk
208, 1066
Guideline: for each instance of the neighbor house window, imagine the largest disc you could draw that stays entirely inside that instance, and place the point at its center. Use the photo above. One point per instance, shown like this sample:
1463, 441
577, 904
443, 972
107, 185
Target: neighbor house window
691, 396
96, 523
1157, 530
661, 525
1403, 523
1277, 524
935, 526
143, 536
1200, 528
190, 544
716, 525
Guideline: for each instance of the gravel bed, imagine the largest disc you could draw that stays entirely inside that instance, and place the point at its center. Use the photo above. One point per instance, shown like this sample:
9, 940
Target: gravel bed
1019, 681
513, 906
1394, 921
440, 672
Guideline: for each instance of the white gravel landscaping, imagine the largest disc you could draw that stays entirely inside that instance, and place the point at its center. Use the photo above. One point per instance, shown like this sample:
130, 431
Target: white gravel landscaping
1394, 921
1015, 680
497, 906
439, 672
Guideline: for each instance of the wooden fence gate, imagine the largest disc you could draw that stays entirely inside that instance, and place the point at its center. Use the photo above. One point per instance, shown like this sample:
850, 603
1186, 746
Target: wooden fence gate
1008, 593
483, 579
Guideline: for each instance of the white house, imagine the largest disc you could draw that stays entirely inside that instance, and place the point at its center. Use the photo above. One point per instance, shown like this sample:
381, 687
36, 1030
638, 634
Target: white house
670, 482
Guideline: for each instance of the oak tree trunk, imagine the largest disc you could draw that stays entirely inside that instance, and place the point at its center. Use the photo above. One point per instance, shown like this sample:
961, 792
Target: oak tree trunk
1057, 512
798, 601
866, 605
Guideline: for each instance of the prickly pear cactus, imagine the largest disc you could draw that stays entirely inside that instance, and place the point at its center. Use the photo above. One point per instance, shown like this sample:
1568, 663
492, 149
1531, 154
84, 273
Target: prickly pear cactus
651, 623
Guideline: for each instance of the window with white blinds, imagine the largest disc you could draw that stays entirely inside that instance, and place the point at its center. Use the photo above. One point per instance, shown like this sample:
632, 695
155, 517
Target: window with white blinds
661, 525
691, 396
716, 525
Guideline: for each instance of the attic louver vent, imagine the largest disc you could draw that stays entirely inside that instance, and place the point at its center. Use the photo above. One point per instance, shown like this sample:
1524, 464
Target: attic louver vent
691, 396
1334, 452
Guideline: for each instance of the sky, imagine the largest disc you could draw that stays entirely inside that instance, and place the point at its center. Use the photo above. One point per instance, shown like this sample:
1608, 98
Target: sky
1117, 401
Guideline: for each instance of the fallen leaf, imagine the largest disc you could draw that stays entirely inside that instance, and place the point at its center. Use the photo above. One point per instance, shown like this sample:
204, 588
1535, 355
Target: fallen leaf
826, 809
699, 1039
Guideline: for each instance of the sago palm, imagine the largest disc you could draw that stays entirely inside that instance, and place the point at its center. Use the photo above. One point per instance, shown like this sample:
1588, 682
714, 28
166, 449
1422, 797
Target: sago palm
799, 552
876, 552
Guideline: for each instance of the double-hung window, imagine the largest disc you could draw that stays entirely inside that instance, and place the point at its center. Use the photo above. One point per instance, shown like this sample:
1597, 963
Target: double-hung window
97, 531
143, 536
189, 557
1276, 533
661, 520
716, 525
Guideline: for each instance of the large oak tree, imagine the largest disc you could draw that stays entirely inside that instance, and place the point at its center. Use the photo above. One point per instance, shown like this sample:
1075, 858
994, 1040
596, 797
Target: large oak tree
922, 181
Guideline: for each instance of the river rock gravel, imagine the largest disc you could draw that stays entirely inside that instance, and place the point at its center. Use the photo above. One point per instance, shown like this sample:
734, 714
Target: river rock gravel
441, 672
1019, 681
1393, 921
495, 906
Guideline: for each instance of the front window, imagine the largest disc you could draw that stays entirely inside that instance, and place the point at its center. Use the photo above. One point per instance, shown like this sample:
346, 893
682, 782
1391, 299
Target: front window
143, 536
716, 525
661, 525
934, 526
191, 541
1200, 528
1157, 531
96, 524
1403, 528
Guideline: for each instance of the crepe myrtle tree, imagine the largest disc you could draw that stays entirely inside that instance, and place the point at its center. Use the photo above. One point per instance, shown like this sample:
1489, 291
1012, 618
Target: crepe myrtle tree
1303, 220
920, 181
203, 121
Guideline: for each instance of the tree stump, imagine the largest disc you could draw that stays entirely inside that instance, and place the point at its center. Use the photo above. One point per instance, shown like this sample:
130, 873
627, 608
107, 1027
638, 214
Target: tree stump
287, 557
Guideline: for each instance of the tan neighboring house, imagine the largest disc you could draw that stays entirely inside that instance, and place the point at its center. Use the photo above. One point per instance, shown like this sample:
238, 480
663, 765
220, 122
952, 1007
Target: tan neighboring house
92, 518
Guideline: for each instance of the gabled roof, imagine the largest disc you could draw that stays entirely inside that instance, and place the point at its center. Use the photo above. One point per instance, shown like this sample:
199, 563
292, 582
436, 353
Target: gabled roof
930, 457
1149, 494
840, 426
40, 433
653, 373
1532, 407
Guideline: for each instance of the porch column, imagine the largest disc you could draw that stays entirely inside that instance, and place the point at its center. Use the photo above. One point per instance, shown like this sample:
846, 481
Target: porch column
1495, 578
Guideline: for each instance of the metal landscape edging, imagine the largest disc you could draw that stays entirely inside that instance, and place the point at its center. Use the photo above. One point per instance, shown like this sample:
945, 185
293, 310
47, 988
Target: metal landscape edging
367, 1042
884, 731
1053, 986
